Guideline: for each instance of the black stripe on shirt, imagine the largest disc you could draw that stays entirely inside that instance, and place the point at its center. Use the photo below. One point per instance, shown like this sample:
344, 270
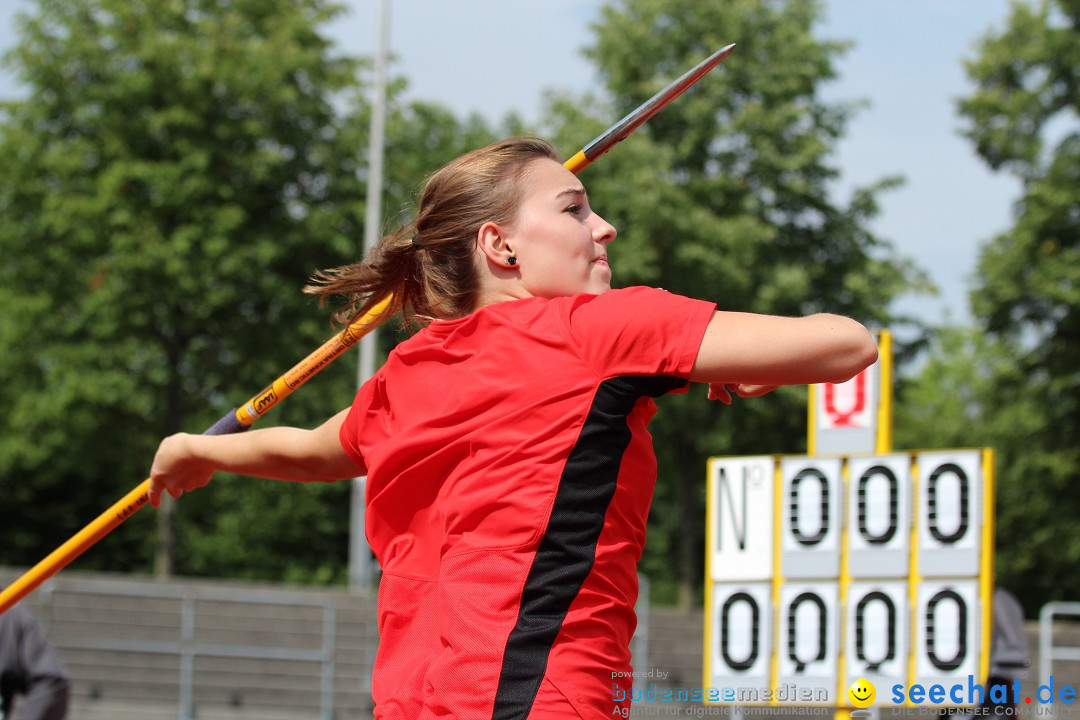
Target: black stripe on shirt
568, 548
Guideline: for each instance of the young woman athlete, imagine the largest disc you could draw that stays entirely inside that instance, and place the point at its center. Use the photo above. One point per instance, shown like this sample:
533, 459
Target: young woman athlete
509, 467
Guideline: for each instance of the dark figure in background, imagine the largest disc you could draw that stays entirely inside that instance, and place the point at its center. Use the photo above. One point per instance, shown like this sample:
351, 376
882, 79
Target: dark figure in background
31, 669
1009, 656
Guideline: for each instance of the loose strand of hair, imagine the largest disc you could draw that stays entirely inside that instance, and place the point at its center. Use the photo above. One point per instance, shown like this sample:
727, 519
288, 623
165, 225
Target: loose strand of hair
384, 272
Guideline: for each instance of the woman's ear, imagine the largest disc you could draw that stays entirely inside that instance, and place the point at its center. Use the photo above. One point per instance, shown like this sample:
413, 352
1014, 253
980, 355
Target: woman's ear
492, 241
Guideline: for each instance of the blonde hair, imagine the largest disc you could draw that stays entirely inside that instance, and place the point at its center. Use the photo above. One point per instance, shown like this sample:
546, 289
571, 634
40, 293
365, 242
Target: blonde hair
428, 265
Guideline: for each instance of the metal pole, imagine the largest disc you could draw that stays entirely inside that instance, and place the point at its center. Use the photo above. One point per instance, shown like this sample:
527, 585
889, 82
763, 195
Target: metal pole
327, 667
187, 657
360, 560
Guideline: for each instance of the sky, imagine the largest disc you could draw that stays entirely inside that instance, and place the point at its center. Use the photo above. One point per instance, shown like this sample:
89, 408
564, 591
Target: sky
498, 56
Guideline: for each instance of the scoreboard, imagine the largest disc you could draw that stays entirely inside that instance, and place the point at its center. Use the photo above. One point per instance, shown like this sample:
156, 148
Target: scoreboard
823, 570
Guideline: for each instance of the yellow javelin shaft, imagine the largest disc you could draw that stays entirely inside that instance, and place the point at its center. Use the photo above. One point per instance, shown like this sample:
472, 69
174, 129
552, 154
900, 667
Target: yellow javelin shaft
242, 418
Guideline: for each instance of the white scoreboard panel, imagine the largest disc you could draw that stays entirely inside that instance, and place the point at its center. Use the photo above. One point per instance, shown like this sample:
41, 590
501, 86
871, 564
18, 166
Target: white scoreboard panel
825, 570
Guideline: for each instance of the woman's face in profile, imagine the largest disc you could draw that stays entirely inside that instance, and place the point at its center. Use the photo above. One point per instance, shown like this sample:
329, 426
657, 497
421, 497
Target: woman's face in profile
559, 242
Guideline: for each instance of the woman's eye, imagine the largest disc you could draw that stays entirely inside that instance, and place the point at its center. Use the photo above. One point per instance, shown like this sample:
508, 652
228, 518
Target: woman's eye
574, 209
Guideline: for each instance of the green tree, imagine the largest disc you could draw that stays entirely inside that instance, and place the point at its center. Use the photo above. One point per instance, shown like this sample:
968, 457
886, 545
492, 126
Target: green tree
175, 173
1022, 119
951, 387
725, 195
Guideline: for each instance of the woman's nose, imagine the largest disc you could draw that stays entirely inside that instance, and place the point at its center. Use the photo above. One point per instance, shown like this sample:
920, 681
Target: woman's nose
604, 232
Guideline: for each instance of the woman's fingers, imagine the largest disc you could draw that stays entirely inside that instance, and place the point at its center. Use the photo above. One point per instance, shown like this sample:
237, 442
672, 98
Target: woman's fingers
754, 390
721, 392
724, 391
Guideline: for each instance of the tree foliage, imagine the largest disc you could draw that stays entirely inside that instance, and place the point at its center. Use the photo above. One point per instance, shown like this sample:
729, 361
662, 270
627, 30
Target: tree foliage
1022, 118
173, 176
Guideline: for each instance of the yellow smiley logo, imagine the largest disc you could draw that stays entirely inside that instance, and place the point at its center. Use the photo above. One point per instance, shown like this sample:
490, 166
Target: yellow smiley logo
861, 693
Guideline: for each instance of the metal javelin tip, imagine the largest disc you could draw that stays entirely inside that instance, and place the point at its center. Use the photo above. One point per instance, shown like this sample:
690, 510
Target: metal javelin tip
657, 102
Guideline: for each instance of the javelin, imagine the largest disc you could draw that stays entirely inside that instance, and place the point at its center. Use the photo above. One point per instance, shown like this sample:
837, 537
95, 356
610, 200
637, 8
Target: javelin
241, 418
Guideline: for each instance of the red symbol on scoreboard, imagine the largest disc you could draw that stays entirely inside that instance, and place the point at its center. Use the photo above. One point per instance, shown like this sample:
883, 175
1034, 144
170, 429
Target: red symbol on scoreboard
852, 415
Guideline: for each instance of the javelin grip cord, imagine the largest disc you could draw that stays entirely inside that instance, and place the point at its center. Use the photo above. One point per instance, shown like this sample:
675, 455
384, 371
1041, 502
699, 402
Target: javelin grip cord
227, 425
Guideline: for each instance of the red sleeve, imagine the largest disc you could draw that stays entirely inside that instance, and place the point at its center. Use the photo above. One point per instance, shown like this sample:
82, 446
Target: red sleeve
349, 434
639, 331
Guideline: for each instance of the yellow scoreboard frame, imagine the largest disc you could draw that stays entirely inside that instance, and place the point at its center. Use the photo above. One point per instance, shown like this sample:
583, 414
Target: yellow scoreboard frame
891, 593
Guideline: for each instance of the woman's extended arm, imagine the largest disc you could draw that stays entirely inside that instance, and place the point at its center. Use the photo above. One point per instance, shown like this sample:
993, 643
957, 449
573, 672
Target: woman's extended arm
185, 462
767, 350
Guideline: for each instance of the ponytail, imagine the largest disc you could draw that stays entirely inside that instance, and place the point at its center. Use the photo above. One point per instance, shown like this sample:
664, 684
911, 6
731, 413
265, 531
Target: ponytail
389, 269
429, 265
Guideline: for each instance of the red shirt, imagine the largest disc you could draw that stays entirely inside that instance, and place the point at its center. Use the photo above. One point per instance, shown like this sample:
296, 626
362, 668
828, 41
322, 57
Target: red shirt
510, 474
